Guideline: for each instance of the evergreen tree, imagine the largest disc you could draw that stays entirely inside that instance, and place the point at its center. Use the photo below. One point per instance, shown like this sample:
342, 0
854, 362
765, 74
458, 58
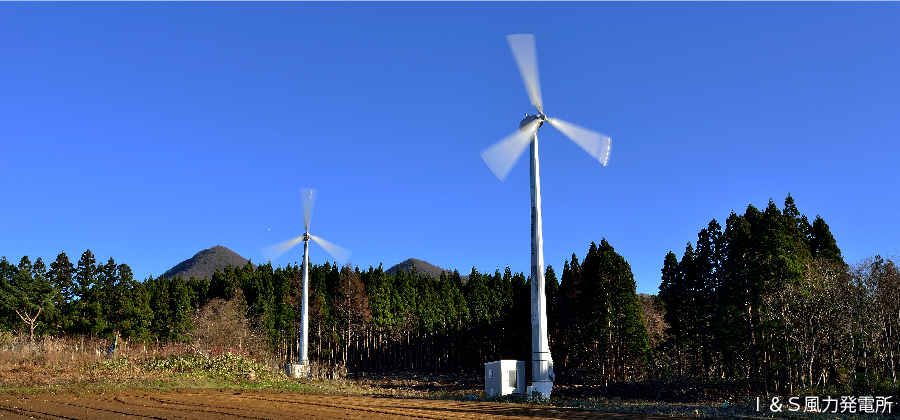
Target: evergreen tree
672, 295
179, 309
283, 311
169, 301
224, 284
107, 282
822, 243
708, 266
551, 284
800, 222
784, 268
89, 312
158, 291
481, 310
611, 313
39, 269
454, 308
199, 289
380, 290
7, 301
570, 337
690, 280
259, 294
518, 328
129, 313
61, 275
594, 305
478, 296
739, 297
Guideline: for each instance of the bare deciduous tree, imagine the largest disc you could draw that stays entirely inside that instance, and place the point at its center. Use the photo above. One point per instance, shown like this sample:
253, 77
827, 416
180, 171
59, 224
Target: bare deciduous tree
29, 320
352, 303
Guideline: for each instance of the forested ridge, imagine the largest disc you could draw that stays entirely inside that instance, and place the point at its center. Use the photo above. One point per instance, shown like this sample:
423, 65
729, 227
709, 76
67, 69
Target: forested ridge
766, 300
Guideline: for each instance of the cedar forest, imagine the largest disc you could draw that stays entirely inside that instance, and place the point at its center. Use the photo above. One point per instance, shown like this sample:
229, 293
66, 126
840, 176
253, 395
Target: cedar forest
767, 301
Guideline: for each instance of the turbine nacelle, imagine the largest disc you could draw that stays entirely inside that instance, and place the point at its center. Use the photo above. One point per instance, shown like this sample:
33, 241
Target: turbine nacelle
524, 124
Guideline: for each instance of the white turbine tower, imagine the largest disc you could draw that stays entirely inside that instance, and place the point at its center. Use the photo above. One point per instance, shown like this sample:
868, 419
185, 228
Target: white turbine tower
274, 251
500, 158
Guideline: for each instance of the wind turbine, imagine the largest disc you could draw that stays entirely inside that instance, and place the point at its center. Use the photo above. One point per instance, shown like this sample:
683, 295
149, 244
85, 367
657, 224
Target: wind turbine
500, 158
274, 251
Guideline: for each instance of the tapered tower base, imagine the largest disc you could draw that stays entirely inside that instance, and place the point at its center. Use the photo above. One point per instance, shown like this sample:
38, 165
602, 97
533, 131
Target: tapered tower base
541, 390
296, 370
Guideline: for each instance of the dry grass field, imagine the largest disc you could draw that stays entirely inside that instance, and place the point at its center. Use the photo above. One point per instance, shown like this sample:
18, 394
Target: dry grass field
55, 378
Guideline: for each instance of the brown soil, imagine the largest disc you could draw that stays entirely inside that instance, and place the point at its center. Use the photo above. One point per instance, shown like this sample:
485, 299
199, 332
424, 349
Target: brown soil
262, 404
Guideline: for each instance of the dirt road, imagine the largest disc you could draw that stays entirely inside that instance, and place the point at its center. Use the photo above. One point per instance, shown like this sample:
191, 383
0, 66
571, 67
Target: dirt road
254, 404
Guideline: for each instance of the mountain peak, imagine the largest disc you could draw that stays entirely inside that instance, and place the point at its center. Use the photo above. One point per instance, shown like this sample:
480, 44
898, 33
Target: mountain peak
204, 263
421, 267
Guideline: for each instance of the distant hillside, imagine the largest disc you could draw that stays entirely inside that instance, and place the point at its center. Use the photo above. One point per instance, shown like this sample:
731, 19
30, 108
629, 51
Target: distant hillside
205, 263
422, 267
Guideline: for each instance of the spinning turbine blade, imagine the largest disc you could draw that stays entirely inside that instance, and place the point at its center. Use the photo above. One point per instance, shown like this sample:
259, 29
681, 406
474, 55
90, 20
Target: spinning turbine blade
275, 251
339, 254
502, 155
309, 199
522, 46
596, 144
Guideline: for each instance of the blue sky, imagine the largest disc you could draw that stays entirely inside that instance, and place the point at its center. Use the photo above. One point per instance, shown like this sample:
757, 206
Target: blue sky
147, 132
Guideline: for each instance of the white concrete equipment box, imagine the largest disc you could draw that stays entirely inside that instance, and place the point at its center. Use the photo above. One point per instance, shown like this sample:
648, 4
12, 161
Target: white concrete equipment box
504, 377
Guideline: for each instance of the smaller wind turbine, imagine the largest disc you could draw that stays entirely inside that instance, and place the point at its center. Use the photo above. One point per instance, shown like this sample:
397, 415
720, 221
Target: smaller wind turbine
275, 251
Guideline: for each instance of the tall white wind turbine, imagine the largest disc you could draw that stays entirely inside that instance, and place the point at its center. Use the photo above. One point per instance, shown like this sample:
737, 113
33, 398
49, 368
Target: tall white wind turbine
341, 255
500, 158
